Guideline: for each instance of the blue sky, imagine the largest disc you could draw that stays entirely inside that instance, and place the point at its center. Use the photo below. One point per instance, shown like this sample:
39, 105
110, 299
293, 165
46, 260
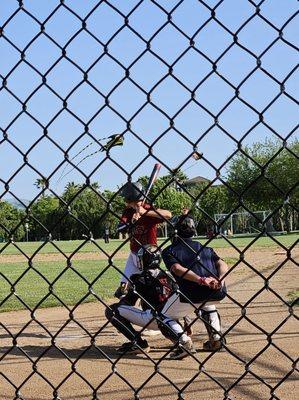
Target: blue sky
120, 67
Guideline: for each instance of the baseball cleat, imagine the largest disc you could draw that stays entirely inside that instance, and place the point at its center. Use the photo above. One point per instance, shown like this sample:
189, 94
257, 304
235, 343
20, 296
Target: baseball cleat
134, 348
184, 350
212, 345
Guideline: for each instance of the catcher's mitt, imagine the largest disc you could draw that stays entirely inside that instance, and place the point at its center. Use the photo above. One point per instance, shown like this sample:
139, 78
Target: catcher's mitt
121, 291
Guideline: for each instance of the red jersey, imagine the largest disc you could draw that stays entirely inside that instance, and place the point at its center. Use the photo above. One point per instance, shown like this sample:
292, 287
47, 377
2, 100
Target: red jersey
144, 229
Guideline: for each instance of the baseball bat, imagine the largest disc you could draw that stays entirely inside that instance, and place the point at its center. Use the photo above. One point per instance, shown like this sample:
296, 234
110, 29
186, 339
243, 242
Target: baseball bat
152, 180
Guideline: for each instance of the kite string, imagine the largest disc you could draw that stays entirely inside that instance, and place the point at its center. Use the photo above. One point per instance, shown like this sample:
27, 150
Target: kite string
76, 155
190, 166
84, 158
197, 156
106, 146
62, 175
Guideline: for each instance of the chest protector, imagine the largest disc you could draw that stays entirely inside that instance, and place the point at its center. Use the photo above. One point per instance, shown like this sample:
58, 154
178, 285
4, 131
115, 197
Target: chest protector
154, 287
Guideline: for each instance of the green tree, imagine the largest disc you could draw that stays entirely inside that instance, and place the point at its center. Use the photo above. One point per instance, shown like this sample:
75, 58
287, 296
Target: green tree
82, 210
214, 200
265, 176
41, 184
12, 223
115, 205
43, 218
166, 193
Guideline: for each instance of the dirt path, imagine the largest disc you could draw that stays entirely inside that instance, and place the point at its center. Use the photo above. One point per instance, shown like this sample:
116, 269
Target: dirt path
47, 257
262, 344
261, 252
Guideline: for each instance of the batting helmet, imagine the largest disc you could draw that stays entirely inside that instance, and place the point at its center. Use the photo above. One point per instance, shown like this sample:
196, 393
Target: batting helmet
185, 226
149, 257
132, 191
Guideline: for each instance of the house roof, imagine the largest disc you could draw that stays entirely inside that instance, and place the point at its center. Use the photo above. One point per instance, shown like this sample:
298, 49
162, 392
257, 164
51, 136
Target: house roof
195, 180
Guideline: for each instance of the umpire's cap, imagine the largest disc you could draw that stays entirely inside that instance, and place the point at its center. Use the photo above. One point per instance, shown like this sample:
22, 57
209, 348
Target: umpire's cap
132, 191
185, 226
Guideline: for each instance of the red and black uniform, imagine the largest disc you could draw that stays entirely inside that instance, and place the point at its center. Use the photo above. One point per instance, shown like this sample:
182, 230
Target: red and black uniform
154, 287
143, 231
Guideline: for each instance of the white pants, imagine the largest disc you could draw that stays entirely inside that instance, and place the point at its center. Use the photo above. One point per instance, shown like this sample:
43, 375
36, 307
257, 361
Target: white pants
146, 319
130, 268
176, 309
173, 310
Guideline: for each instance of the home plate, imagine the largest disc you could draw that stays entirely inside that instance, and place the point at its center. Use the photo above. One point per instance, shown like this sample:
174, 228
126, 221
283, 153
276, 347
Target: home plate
71, 337
150, 332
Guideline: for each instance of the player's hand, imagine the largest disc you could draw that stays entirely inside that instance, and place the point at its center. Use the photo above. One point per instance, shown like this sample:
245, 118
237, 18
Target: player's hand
140, 209
135, 217
212, 283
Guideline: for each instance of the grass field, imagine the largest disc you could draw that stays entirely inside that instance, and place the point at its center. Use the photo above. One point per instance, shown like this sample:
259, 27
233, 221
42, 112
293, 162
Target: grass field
42, 285
46, 282
86, 247
49, 281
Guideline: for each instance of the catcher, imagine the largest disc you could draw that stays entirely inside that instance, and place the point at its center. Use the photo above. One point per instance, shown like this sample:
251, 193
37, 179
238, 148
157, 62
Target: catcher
155, 287
140, 220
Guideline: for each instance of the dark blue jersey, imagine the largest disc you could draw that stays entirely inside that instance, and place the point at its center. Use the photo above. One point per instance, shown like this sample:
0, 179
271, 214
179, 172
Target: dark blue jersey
202, 261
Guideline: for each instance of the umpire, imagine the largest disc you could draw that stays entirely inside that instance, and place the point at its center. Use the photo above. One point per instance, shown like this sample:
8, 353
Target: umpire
199, 272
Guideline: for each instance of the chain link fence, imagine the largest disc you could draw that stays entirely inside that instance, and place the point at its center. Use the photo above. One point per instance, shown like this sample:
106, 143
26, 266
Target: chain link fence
188, 71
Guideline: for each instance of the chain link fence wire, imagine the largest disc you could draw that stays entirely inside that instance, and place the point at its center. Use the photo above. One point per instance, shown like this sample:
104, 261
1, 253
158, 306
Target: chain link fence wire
172, 79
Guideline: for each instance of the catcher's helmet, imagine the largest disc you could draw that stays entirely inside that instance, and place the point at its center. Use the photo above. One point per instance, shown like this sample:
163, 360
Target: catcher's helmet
132, 191
149, 257
185, 226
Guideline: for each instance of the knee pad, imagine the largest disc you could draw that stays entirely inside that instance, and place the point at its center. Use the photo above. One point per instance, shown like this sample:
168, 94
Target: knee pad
119, 322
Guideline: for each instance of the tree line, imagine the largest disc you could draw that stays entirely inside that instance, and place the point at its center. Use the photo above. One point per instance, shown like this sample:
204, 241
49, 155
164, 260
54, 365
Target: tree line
263, 176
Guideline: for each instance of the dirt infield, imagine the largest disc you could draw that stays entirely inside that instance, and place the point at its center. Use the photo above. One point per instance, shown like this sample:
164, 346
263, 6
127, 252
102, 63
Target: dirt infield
258, 363
47, 257
258, 256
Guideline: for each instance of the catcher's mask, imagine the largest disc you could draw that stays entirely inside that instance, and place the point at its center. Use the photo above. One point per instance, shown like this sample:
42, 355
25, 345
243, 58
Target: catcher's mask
185, 226
149, 257
132, 191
